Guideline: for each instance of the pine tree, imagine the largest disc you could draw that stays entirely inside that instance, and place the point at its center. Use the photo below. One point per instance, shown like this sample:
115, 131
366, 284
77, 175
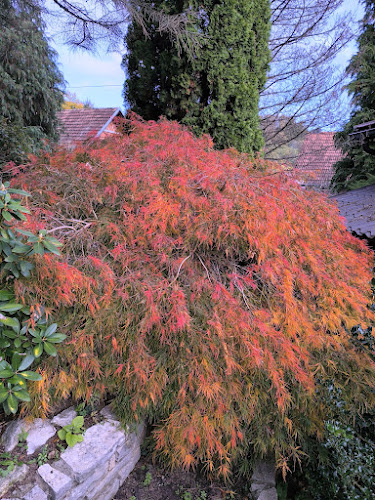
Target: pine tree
358, 167
215, 92
30, 94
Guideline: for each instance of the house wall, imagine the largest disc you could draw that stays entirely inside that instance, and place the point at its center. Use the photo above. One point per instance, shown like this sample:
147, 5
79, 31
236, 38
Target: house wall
110, 130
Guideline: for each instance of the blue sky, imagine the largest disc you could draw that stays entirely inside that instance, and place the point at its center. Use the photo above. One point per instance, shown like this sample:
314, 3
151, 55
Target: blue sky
97, 78
100, 78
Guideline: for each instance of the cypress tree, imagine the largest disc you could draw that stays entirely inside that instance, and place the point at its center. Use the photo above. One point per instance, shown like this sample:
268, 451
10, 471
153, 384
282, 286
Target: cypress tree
357, 168
217, 90
30, 82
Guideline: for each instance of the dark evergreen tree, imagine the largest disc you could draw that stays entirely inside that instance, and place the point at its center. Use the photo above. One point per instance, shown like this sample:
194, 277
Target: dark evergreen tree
357, 168
215, 92
30, 82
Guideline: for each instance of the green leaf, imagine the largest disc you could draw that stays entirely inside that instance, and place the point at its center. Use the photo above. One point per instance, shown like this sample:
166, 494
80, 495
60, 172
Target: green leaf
16, 379
71, 439
9, 334
26, 233
79, 438
8, 217
57, 338
22, 249
10, 307
62, 434
33, 239
17, 387
12, 322
12, 403
77, 422
17, 343
3, 394
54, 241
11, 258
16, 360
6, 407
5, 236
4, 343
6, 295
6, 373
26, 362
35, 333
17, 207
38, 350
19, 191
50, 349
51, 247
38, 248
31, 376
26, 267
50, 330
22, 395
13, 269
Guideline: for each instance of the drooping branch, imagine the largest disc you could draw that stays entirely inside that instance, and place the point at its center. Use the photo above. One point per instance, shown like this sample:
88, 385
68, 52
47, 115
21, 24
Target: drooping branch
87, 25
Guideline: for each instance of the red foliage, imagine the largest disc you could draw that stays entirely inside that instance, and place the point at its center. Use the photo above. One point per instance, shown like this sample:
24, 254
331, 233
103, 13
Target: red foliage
204, 290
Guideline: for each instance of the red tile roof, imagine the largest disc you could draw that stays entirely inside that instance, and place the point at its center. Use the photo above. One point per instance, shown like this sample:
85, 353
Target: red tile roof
80, 124
316, 159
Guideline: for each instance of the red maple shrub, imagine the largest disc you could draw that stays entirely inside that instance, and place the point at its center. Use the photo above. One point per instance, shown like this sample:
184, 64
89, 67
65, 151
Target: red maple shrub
204, 290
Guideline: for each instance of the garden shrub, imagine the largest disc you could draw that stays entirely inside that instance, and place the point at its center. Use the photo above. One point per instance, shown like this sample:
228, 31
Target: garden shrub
346, 470
341, 465
24, 330
205, 291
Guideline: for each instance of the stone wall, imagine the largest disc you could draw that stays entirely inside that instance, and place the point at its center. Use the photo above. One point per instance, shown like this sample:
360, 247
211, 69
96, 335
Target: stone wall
263, 481
92, 470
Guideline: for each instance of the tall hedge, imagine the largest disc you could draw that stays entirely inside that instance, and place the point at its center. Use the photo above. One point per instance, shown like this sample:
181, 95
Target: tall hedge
30, 88
357, 168
216, 90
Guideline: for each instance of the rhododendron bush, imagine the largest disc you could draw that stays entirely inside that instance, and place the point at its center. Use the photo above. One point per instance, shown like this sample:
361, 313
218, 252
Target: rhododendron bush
204, 290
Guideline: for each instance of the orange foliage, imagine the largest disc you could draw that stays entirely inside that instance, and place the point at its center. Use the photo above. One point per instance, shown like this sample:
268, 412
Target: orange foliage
204, 290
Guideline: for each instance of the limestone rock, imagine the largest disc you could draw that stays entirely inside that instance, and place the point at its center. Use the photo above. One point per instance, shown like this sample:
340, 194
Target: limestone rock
99, 443
270, 494
38, 433
56, 482
9, 438
257, 488
17, 475
109, 491
108, 414
91, 470
115, 476
81, 491
65, 417
263, 481
35, 494
264, 473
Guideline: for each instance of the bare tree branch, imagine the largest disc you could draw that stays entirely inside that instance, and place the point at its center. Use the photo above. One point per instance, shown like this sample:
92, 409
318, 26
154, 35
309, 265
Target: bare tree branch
304, 85
98, 21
